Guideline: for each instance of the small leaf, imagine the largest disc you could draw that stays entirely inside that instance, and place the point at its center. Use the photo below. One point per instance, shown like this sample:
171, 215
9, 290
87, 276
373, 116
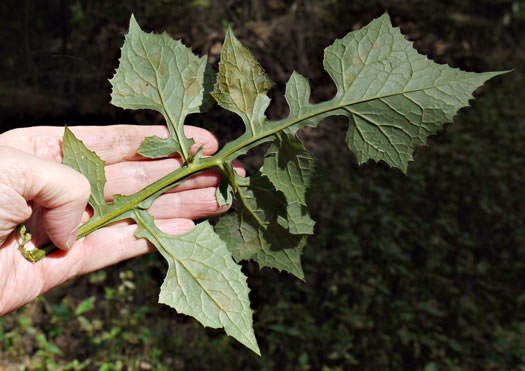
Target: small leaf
85, 306
225, 189
210, 77
85, 324
290, 167
224, 193
202, 281
159, 73
298, 220
155, 147
297, 96
255, 231
272, 247
242, 84
80, 158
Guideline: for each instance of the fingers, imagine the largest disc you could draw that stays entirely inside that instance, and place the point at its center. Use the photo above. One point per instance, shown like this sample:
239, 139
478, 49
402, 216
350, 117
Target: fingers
190, 204
118, 143
113, 143
193, 204
13, 210
129, 177
24, 281
60, 190
172, 212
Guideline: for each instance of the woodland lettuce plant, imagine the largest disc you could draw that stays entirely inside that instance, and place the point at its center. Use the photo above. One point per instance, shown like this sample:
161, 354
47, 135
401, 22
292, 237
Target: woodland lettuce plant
393, 98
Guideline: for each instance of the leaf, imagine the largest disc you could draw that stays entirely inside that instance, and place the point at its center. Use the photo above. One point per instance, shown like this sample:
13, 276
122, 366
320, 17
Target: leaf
208, 84
159, 73
202, 280
290, 167
242, 84
224, 194
85, 306
77, 156
258, 229
393, 97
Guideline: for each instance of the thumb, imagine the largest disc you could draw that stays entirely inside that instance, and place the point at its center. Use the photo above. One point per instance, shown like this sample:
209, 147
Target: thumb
62, 192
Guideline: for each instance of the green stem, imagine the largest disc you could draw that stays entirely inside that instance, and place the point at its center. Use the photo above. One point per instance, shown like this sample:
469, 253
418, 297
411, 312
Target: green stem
133, 202
216, 161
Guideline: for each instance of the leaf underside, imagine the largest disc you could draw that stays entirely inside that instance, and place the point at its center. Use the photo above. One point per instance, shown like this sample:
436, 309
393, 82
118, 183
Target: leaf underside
393, 98
202, 279
159, 73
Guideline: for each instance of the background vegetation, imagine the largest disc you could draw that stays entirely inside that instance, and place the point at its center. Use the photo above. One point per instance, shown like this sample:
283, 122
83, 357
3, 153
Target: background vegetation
418, 272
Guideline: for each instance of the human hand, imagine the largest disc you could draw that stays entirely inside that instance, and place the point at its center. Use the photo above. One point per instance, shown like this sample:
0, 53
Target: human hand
51, 199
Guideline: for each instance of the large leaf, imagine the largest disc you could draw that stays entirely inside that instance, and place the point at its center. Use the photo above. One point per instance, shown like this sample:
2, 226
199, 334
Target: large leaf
393, 97
159, 73
202, 280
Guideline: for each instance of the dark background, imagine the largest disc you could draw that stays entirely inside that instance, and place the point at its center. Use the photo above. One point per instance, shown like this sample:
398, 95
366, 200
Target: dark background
424, 271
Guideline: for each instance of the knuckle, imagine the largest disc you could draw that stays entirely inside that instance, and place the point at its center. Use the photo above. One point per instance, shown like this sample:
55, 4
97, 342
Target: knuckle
83, 188
12, 136
141, 176
209, 198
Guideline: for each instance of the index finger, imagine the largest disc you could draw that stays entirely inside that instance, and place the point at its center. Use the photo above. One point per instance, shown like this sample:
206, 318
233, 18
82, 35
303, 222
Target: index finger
113, 144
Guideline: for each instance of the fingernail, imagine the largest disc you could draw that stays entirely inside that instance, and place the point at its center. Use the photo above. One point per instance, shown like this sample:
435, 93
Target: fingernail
223, 208
72, 238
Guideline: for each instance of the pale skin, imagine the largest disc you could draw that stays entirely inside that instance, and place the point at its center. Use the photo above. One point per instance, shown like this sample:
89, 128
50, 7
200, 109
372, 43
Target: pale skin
51, 198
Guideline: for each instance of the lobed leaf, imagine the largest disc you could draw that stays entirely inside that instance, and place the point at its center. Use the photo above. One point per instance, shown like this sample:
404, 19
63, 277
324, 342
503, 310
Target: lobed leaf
202, 280
159, 73
393, 97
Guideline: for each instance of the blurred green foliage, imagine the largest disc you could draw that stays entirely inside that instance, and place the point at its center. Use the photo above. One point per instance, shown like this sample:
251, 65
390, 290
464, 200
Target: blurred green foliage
417, 272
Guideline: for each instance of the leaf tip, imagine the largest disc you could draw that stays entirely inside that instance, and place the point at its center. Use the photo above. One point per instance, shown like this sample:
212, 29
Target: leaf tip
67, 131
133, 24
229, 33
490, 75
256, 350
382, 19
384, 16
